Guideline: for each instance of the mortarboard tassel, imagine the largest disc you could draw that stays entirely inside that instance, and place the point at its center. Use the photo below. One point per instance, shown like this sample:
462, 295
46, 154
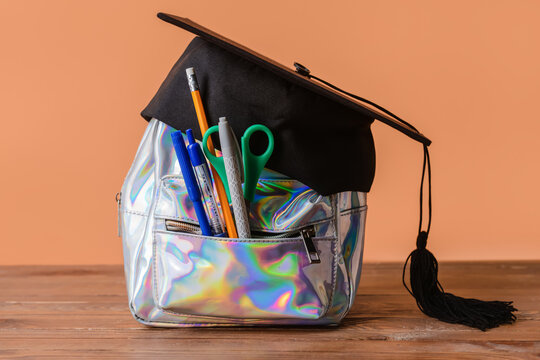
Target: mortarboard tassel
430, 296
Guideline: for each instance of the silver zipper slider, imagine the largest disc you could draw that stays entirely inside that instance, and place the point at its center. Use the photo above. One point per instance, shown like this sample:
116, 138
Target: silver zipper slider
119, 220
182, 226
307, 235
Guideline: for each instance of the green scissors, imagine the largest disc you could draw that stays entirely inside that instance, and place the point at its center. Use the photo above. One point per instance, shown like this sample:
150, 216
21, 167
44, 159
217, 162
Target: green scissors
252, 164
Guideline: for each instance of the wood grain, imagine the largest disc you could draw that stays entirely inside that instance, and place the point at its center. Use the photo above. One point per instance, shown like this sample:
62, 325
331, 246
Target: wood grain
67, 312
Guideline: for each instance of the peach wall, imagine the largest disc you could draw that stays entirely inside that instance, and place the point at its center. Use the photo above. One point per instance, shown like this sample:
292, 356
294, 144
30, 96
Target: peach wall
75, 75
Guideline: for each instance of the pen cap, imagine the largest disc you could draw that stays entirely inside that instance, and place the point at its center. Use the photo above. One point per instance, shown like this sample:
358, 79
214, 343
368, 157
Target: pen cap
226, 135
194, 149
229, 143
185, 166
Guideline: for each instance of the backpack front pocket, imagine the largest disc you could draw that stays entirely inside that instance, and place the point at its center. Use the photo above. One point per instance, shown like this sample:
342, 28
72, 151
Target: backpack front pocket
242, 278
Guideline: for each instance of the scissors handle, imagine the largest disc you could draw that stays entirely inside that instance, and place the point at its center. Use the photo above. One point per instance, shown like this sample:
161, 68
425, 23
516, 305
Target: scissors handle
254, 164
217, 162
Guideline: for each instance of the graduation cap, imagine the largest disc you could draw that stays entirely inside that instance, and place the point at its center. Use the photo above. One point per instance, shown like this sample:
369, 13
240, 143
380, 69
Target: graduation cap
322, 138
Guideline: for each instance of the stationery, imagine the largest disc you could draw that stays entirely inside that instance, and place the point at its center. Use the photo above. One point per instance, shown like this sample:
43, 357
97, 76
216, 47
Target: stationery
254, 164
229, 167
204, 179
233, 169
189, 179
203, 124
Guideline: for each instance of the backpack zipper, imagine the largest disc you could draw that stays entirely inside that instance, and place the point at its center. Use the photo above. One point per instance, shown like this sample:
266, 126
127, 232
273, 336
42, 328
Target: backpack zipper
307, 234
119, 220
182, 226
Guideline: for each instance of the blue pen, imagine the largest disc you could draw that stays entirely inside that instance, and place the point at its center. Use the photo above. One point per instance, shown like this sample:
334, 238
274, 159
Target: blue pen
189, 179
205, 183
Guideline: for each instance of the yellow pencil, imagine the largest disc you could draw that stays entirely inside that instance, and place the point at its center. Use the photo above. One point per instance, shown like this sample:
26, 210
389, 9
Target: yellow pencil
203, 124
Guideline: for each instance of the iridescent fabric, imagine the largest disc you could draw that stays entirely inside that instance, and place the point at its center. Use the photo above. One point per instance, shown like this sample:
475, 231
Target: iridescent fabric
184, 279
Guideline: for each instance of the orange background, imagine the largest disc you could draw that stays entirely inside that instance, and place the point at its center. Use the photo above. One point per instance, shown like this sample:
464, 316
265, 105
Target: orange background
75, 75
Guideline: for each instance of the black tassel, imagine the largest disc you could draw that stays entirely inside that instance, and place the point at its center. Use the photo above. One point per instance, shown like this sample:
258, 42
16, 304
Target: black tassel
430, 296
426, 289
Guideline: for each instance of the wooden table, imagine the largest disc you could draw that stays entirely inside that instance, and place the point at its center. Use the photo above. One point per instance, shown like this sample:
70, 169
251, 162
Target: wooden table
81, 312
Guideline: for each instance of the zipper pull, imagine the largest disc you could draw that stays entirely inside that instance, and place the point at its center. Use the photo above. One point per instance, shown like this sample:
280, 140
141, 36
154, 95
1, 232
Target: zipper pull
119, 220
307, 235
182, 226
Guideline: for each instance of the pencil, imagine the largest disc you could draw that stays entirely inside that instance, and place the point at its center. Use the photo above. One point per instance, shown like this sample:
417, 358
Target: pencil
203, 124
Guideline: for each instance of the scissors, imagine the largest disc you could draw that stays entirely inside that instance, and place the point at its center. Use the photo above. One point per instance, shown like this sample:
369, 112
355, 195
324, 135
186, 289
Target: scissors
252, 164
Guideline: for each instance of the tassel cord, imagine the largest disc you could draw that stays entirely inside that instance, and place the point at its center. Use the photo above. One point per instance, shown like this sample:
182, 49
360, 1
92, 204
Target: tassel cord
425, 287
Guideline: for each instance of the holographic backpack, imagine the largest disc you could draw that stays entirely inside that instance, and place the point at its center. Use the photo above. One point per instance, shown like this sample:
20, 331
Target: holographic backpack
303, 262
302, 265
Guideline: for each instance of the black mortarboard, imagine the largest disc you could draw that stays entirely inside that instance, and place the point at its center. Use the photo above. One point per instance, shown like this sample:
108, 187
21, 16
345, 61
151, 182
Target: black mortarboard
322, 138
317, 130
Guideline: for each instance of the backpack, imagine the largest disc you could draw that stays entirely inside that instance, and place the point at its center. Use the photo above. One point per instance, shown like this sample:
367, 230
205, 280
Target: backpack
302, 262
302, 265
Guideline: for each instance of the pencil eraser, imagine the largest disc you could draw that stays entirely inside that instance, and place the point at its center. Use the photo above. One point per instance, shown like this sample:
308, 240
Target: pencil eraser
190, 71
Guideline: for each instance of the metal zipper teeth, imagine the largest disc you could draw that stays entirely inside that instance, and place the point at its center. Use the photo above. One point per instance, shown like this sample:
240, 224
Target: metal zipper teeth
181, 226
283, 235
